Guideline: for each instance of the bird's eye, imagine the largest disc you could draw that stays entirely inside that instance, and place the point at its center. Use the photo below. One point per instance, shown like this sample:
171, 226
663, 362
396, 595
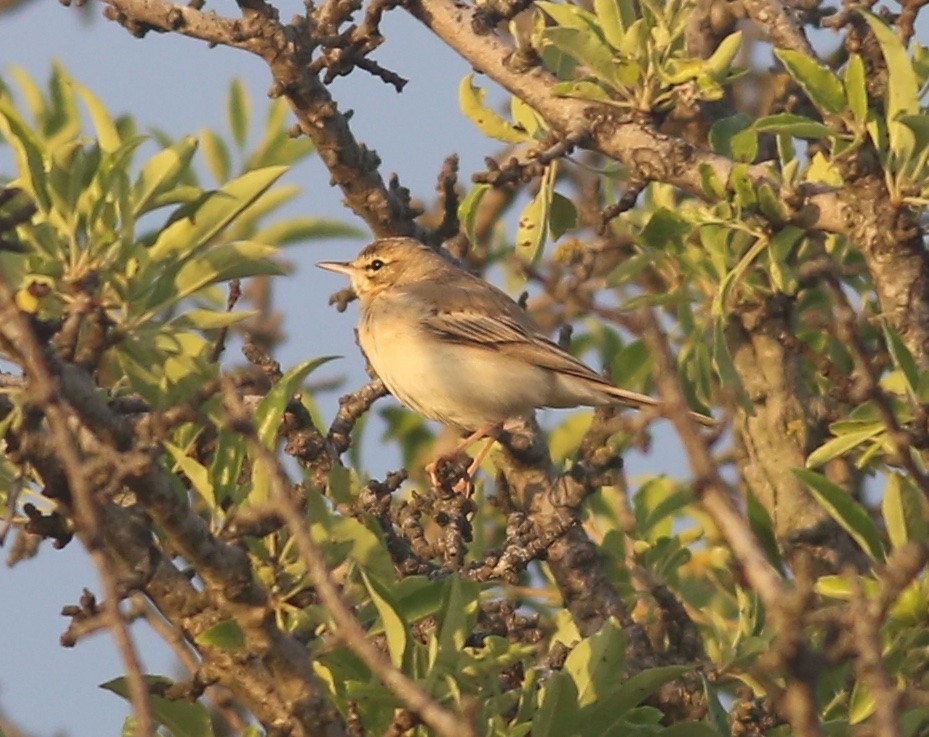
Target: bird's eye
376, 265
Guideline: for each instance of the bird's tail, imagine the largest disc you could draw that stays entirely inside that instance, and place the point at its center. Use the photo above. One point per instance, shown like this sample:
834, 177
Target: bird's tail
634, 399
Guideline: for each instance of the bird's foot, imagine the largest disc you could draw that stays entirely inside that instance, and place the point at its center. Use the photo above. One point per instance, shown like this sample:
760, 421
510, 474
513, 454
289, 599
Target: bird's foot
451, 472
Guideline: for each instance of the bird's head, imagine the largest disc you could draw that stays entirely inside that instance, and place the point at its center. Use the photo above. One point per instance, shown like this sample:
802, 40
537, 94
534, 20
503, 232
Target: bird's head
388, 263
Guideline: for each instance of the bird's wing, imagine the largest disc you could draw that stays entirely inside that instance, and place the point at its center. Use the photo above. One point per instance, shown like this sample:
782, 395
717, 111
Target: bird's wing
509, 335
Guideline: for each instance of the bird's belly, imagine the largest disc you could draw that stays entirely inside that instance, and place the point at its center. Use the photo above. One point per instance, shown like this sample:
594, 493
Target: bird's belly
458, 385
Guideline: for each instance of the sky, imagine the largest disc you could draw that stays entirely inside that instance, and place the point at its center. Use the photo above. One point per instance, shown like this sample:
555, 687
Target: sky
180, 86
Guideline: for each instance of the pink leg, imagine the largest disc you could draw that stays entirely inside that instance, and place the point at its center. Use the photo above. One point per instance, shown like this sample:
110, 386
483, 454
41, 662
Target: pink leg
487, 430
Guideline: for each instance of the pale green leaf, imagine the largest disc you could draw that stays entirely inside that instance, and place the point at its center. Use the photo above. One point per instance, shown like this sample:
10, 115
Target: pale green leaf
595, 661
215, 155
468, 209
798, 126
855, 88
107, 134
181, 718
29, 153
587, 48
237, 111
161, 173
903, 509
845, 510
226, 635
839, 446
196, 473
615, 16
471, 100
558, 711
213, 214
270, 411
820, 83
395, 629
304, 228
902, 358
721, 59
532, 227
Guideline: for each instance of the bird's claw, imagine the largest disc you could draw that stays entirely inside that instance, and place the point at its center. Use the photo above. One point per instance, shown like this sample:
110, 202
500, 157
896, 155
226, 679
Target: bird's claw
451, 473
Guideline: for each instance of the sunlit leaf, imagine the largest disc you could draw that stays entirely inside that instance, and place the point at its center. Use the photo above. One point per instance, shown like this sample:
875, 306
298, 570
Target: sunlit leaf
237, 110
845, 510
181, 718
820, 83
471, 100
270, 411
394, 627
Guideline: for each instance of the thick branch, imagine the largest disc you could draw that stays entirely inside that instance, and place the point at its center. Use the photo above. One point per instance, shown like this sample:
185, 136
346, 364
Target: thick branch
649, 154
287, 50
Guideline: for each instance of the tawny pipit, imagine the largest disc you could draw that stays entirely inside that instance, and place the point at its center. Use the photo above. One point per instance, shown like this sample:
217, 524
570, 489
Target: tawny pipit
458, 350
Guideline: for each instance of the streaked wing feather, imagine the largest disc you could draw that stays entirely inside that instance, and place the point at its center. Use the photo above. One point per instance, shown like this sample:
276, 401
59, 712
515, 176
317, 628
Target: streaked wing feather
510, 338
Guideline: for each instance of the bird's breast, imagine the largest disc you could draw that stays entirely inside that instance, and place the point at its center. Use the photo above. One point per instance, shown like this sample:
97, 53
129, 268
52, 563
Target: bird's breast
458, 384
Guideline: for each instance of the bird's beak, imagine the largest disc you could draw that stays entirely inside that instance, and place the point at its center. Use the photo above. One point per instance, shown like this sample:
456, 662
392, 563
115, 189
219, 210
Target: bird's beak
339, 267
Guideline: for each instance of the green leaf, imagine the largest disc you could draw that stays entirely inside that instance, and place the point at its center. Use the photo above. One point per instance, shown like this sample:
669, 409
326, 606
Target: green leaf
226, 466
630, 694
532, 227
595, 661
468, 209
161, 173
215, 155
902, 89
902, 358
904, 512
716, 714
820, 83
196, 472
181, 718
221, 263
902, 85
842, 444
642, 685
615, 17
587, 48
395, 628
856, 88
226, 635
721, 59
843, 508
460, 610
29, 153
107, 134
213, 214
270, 411
558, 711
562, 216
798, 126
862, 703
712, 186
762, 527
237, 110
471, 100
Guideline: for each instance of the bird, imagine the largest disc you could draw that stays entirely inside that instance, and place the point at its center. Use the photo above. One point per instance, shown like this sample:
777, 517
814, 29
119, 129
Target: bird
456, 349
